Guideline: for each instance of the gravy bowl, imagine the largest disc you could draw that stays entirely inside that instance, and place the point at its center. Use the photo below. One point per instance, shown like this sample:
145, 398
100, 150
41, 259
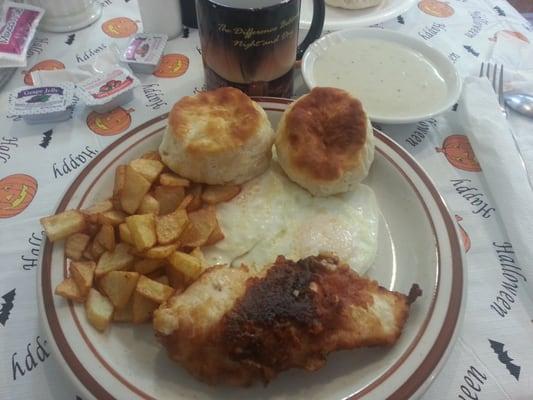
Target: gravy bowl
398, 78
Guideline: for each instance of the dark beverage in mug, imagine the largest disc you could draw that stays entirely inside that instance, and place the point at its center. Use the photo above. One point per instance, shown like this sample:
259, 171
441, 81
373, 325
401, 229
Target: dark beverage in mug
252, 44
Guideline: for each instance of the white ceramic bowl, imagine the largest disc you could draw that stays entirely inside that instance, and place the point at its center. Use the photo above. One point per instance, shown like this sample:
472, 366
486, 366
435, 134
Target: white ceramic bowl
439, 61
341, 18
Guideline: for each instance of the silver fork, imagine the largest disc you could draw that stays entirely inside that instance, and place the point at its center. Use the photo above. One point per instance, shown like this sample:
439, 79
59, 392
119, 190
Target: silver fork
496, 79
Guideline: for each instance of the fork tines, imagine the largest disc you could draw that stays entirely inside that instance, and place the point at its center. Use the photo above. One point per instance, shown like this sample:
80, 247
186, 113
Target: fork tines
495, 77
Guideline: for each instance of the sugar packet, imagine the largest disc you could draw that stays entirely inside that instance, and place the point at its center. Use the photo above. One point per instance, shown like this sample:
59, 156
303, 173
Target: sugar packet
18, 25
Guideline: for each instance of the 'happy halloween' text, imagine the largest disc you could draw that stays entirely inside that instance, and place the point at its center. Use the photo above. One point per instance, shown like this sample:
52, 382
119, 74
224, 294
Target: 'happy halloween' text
472, 195
511, 275
73, 162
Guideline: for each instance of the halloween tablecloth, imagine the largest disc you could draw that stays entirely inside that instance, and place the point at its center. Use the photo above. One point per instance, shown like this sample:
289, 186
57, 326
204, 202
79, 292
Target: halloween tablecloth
493, 356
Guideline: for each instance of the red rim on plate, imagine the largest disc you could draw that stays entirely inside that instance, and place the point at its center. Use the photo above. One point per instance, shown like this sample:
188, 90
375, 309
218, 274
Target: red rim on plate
427, 367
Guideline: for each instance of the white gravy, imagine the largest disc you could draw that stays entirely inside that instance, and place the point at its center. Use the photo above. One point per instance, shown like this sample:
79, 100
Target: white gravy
390, 79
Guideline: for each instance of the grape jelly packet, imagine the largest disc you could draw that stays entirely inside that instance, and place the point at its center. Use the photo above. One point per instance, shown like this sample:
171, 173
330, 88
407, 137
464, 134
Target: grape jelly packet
18, 25
42, 104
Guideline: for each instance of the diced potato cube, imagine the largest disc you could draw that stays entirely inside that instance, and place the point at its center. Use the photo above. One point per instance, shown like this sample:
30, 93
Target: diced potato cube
175, 278
117, 260
106, 237
112, 217
161, 252
124, 314
146, 266
64, 224
149, 205
150, 169
169, 198
92, 212
125, 233
202, 224
83, 275
163, 279
142, 228
99, 310
219, 193
153, 290
170, 179
156, 274
97, 249
118, 286
143, 308
75, 245
91, 229
185, 202
152, 155
120, 180
69, 290
135, 187
189, 266
169, 227
88, 255
197, 252
195, 190
216, 236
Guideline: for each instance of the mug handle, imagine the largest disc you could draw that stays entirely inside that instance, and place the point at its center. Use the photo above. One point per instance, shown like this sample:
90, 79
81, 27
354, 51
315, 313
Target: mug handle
319, 14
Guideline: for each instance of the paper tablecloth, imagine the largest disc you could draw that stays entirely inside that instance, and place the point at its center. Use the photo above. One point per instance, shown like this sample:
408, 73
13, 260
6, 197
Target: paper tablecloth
48, 157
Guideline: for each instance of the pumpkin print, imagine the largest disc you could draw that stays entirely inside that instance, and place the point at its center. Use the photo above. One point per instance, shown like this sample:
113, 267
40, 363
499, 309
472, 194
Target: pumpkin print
459, 153
518, 35
466, 239
110, 123
45, 65
172, 66
119, 27
16, 193
436, 8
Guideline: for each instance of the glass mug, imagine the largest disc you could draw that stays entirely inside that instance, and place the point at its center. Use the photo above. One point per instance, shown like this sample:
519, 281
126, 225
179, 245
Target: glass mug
253, 44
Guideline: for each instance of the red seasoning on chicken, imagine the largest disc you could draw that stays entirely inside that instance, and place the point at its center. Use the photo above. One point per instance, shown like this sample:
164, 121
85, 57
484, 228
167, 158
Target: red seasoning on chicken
234, 326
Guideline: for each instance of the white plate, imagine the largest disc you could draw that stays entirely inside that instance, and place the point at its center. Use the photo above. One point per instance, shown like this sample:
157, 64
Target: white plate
418, 243
439, 61
339, 18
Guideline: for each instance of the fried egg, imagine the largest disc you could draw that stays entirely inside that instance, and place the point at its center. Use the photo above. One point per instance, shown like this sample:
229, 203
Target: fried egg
273, 216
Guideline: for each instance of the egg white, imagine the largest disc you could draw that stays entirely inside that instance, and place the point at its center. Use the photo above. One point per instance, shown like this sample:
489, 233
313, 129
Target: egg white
273, 216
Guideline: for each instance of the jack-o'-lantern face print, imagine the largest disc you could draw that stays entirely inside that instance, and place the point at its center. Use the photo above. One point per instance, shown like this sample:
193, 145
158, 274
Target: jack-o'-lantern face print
172, 66
515, 34
436, 8
16, 193
120, 27
45, 65
111, 123
459, 153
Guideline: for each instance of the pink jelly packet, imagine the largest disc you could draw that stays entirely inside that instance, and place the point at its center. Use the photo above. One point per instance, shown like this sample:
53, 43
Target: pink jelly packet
17, 28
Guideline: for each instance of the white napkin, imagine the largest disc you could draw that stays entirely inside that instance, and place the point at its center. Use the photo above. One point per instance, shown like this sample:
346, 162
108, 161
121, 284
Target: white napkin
490, 137
516, 55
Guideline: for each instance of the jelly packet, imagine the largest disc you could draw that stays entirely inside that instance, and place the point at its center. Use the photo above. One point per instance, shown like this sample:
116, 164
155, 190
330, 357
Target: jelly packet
105, 91
42, 104
18, 25
144, 52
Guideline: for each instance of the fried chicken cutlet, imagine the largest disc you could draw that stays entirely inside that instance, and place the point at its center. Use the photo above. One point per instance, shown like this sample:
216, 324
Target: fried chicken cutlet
234, 326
